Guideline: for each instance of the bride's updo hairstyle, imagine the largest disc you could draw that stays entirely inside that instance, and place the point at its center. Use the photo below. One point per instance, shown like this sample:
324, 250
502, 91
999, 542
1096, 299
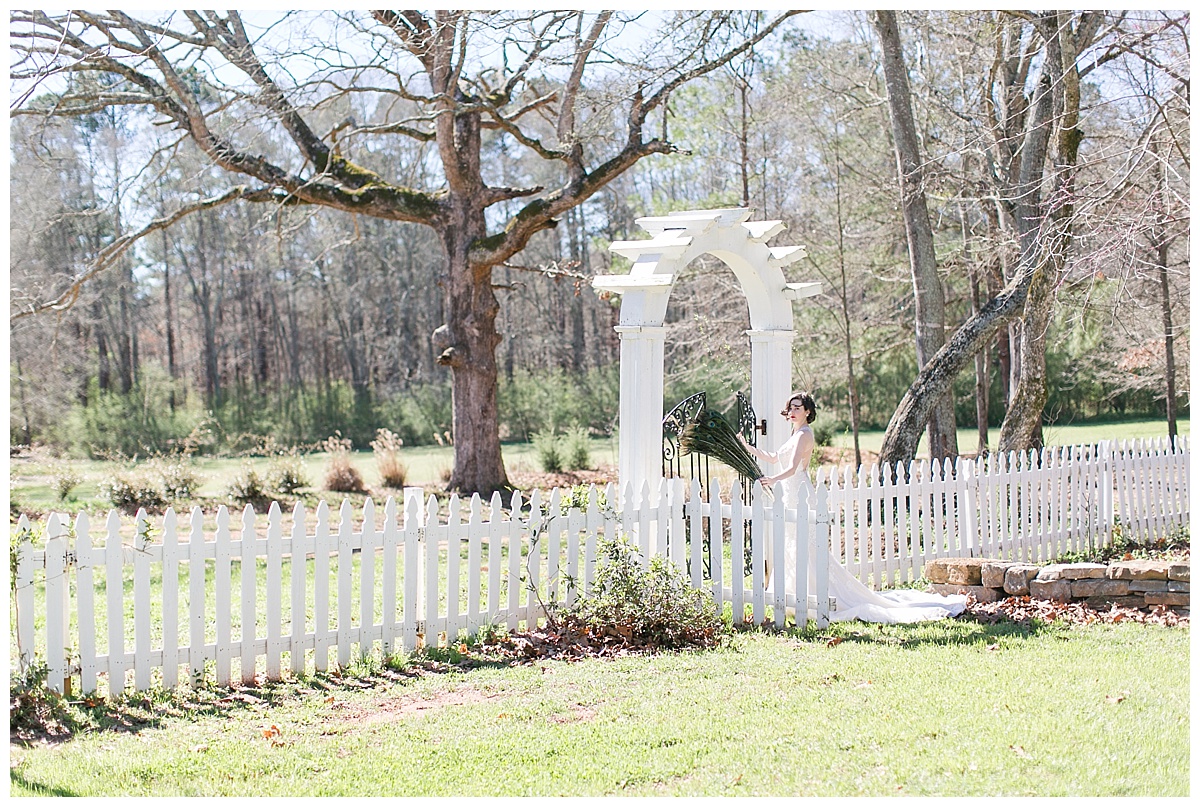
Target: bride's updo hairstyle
806, 401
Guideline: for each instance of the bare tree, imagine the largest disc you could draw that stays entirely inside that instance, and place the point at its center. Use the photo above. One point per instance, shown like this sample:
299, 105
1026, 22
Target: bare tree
446, 78
928, 295
1033, 104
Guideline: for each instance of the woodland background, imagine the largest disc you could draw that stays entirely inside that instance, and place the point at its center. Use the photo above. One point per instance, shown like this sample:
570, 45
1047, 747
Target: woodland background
253, 327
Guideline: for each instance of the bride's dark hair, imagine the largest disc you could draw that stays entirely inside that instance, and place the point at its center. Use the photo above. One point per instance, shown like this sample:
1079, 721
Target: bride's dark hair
806, 401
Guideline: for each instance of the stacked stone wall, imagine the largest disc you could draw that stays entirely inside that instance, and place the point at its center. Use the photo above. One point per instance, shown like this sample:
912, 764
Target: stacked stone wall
1129, 583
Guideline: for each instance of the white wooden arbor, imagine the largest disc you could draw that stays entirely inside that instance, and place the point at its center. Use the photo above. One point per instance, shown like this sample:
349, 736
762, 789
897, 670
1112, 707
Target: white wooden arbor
676, 240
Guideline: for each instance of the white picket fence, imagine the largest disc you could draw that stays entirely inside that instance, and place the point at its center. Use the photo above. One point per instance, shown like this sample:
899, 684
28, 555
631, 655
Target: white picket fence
287, 597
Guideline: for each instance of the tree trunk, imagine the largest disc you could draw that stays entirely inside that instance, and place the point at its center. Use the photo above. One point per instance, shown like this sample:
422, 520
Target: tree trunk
1160, 254
467, 343
1023, 420
929, 297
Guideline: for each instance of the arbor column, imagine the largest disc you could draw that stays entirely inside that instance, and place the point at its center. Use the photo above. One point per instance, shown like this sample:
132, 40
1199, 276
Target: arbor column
640, 458
770, 381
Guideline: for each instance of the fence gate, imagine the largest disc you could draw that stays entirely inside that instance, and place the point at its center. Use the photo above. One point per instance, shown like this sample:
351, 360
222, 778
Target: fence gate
696, 466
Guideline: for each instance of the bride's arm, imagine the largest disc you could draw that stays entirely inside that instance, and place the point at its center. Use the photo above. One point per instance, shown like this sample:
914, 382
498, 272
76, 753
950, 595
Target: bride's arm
765, 456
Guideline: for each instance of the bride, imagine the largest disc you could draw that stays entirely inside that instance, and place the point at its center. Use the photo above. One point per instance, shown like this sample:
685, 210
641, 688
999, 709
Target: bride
853, 599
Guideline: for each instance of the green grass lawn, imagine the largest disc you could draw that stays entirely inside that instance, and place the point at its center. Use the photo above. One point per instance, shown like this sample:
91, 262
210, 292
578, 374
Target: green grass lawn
943, 709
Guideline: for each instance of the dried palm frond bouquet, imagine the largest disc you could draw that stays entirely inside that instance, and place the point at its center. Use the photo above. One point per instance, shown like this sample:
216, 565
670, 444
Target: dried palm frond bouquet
710, 433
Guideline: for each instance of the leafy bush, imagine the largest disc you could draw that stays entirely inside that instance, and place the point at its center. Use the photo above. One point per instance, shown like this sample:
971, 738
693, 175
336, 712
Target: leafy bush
340, 475
286, 474
386, 446
656, 606
129, 491
66, 479
545, 445
179, 478
577, 448
34, 709
247, 486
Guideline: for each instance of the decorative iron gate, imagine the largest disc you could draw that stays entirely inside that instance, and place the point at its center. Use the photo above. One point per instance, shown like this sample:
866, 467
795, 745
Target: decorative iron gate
696, 466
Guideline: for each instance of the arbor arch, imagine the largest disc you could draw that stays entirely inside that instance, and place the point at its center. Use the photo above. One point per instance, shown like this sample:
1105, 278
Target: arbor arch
676, 239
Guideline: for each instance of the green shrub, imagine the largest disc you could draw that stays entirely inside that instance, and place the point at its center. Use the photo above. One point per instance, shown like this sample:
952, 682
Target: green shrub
545, 445
66, 479
576, 450
179, 478
286, 473
656, 606
130, 490
247, 486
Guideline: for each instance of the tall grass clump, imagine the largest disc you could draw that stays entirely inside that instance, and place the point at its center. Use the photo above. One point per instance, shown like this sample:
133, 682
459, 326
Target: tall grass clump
340, 474
386, 446
247, 486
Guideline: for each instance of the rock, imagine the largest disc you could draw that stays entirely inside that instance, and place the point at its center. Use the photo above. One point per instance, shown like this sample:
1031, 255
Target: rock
980, 593
1180, 571
1084, 571
1147, 585
957, 571
1017, 577
1057, 590
1091, 587
1123, 602
1167, 598
1176, 585
992, 572
1049, 574
1139, 570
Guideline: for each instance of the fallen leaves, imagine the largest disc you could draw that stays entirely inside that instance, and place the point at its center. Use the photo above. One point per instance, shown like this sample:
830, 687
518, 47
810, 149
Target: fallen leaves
1027, 609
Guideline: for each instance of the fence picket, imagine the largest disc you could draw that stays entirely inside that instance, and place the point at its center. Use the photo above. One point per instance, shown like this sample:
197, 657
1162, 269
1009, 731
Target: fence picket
695, 565
274, 592
453, 583
737, 532
413, 533
85, 601
115, 588
57, 611
514, 561
366, 581
432, 559
197, 588
778, 543
575, 525
554, 531
390, 549
821, 541
170, 599
474, 562
716, 544
298, 566
248, 571
321, 550
495, 531
758, 539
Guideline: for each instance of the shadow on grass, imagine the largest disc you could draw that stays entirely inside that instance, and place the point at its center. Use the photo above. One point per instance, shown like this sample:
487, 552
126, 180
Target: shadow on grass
965, 630
36, 788
148, 709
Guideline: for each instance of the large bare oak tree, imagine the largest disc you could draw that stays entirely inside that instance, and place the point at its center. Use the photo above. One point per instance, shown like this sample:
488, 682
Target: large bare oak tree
256, 101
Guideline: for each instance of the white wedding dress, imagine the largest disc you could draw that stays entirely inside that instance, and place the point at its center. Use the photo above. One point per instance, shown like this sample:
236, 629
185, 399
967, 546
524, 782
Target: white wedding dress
853, 600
